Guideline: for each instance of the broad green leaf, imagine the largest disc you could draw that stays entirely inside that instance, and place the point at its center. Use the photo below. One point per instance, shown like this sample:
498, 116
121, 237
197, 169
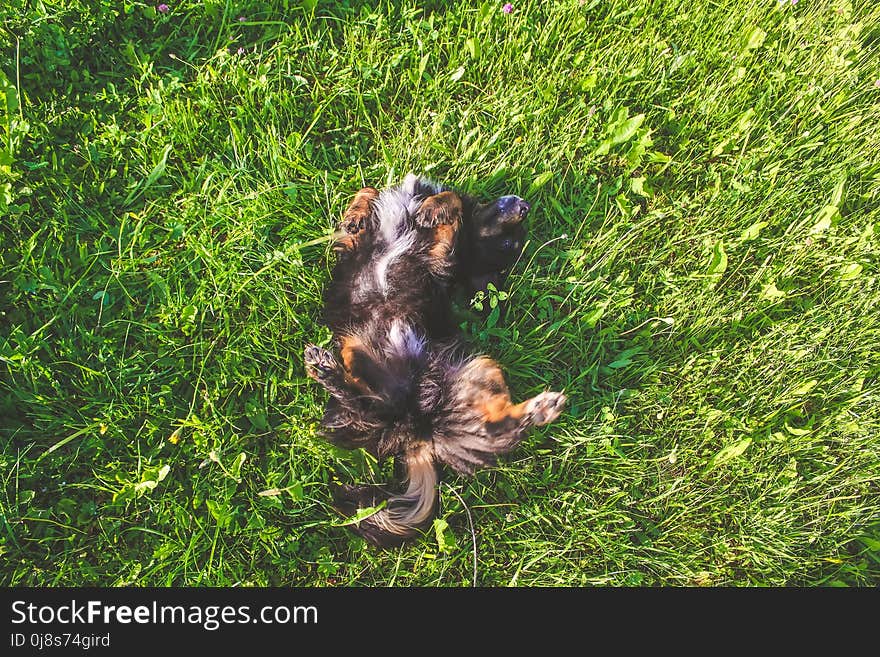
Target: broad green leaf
494, 314
220, 512
145, 486
588, 82
870, 543
150, 479
362, 514
770, 291
256, 413
626, 130
738, 74
235, 469
603, 148
473, 48
592, 317
156, 172
745, 120
718, 264
627, 209
851, 271
795, 431
159, 167
639, 187
728, 453
539, 181
9, 94
719, 148
756, 38
187, 319
790, 471
823, 219
837, 194
444, 535
619, 115
752, 231
805, 387
637, 151
624, 358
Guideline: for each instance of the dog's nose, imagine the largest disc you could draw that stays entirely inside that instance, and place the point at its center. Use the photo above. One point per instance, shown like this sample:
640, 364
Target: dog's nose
513, 205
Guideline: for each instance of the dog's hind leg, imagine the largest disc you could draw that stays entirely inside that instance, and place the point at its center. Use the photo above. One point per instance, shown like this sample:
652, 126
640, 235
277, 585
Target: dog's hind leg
356, 219
479, 421
324, 368
345, 422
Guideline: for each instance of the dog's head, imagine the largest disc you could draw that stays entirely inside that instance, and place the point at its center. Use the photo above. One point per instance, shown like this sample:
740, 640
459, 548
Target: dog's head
495, 235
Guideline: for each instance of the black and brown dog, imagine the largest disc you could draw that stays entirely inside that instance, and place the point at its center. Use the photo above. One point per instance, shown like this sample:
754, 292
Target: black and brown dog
403, 384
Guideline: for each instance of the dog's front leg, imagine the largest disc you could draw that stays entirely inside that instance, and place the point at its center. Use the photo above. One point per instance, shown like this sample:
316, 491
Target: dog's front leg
442, 215
356, 220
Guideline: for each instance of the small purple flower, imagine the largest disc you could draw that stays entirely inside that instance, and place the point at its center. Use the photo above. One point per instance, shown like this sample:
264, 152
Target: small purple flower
508, 8
163, 8
241, 19
240, 51
877, 83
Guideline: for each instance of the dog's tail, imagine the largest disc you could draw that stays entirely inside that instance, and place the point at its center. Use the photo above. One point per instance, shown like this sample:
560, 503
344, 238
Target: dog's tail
403, 515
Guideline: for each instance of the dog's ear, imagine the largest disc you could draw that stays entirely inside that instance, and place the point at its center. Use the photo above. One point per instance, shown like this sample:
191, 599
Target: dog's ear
440, 209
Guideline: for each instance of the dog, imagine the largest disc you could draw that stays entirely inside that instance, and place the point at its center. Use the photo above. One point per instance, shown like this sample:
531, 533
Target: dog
402, 382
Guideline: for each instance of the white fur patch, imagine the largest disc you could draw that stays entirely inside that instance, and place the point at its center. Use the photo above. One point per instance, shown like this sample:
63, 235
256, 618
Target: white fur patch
401, 245
404, 341
394, 210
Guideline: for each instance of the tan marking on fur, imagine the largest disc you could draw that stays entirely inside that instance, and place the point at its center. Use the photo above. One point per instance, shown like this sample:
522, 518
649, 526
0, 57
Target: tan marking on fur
441, 250
482, 372
442, 208
361, 205
500, 408
486, 390
346, 238
348, 346
343, 241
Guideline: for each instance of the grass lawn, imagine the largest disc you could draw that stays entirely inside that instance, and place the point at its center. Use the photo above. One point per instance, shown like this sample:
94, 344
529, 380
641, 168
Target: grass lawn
702, 279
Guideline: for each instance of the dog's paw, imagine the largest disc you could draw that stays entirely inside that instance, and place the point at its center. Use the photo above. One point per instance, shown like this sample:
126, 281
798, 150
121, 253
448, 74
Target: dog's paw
546, 407
354, 221
353, 225
444, 208
319, 362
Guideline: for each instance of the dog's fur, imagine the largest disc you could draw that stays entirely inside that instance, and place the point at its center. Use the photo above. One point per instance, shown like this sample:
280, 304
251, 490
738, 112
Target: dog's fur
403, 384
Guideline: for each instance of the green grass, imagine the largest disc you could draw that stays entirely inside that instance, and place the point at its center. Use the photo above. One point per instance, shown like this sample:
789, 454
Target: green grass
701, 279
